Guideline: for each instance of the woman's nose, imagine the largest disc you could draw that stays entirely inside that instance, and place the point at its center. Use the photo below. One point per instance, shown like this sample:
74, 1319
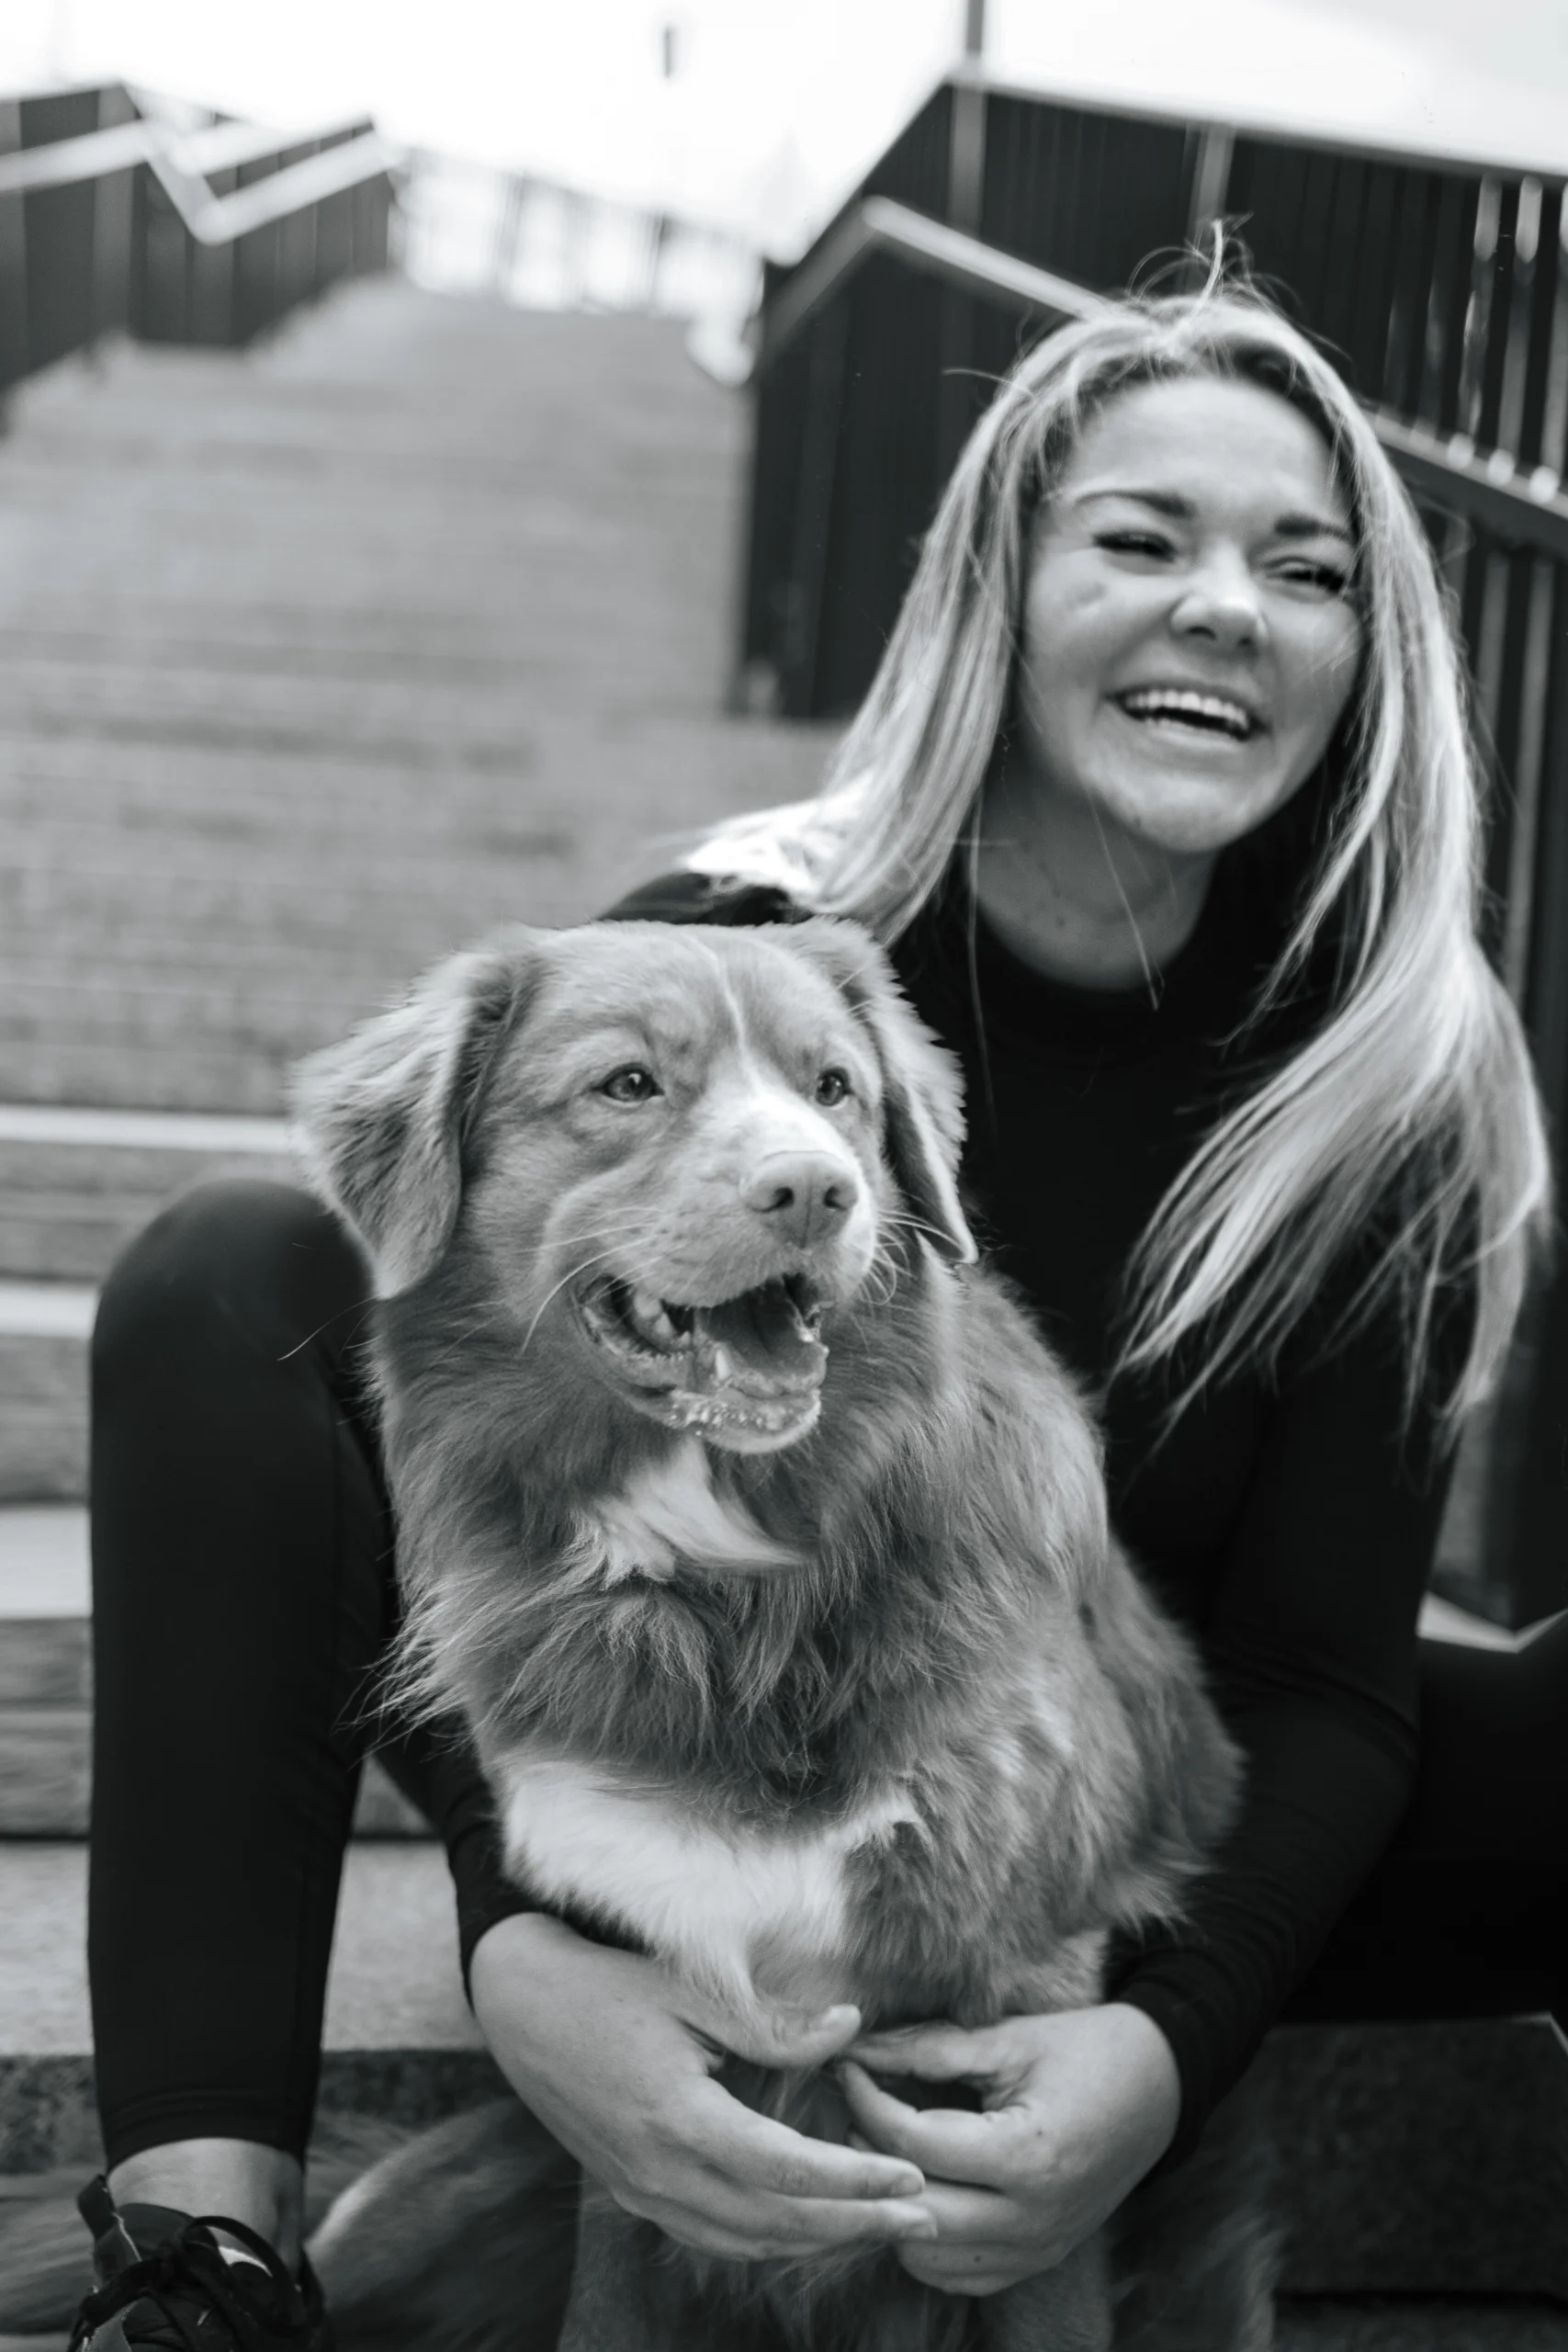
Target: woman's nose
1220, 601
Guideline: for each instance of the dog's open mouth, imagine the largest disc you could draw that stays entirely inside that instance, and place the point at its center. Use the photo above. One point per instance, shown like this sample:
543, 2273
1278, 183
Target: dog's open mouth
748, 1369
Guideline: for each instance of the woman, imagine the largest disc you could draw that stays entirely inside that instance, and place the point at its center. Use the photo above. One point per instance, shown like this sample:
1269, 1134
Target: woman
1163, 801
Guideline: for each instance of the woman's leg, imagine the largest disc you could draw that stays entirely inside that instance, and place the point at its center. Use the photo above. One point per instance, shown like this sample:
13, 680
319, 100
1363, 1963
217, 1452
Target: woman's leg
1467, 1913
242, 1593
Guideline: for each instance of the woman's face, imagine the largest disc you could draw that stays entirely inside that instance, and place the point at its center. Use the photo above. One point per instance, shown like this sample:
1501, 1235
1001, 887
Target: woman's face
1188, 639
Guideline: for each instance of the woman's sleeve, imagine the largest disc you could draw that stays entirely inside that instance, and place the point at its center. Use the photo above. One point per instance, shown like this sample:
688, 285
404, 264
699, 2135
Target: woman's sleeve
1311, 1650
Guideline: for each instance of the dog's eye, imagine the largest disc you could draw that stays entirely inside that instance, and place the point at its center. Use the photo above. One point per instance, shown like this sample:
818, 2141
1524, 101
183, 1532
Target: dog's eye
632, 1085
832, 1086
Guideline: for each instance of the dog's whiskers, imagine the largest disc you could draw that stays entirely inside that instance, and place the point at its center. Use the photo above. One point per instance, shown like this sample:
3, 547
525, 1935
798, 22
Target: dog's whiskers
572, 1275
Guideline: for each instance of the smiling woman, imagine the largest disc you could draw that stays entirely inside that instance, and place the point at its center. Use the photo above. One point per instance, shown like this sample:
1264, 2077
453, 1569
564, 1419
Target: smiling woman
1188, 645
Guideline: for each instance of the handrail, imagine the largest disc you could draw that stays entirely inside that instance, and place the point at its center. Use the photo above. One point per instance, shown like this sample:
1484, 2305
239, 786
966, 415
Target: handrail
182, 162
1485, 486
66, 161
878, 225
219, 219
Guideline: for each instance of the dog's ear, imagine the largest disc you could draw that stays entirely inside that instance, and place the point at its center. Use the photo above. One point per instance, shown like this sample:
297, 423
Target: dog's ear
923, 1092
381, 1118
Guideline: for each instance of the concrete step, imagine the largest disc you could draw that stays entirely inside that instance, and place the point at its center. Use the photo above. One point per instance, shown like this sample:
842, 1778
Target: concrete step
43, 1391
316, 662
76, 1184
399, 2034
46, 1688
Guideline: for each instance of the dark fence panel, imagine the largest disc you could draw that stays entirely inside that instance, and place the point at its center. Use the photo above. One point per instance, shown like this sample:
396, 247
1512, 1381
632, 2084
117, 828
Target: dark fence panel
112, 249
59, 220
1084, 193
13, 258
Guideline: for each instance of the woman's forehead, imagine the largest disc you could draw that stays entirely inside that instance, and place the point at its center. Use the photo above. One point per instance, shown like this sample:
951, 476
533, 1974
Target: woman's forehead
1200, 439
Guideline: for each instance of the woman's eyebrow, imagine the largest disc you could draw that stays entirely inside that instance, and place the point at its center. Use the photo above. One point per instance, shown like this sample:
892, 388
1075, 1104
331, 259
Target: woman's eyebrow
1312, 526
1183, 509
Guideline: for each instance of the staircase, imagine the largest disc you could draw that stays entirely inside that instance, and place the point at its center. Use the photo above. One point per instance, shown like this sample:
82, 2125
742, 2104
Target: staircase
314, 662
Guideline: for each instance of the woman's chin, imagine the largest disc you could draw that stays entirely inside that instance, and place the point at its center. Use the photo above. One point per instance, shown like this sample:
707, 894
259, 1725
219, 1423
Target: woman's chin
1189, 816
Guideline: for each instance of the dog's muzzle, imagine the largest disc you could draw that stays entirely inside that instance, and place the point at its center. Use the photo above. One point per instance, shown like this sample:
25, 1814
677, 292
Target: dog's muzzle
746, 1372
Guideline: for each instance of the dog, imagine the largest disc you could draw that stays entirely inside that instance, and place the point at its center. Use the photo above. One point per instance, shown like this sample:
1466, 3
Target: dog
760, 1541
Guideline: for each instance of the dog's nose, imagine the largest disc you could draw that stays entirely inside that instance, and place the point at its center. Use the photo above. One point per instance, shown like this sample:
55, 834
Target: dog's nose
804, 1194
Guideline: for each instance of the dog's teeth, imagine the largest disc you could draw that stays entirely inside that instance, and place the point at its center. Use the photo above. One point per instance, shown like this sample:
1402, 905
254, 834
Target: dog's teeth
646, 1306
723, 1364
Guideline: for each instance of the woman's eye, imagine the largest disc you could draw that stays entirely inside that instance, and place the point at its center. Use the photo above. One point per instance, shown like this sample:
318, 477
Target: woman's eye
832, 1086
1328, 579
1149, 543
632, 1085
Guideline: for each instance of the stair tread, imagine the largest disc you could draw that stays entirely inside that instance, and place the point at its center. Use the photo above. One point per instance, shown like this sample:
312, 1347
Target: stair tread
394, 1982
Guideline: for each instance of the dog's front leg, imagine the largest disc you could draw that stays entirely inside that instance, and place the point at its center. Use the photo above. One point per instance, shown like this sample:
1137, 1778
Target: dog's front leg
614, 2303
1064, 2309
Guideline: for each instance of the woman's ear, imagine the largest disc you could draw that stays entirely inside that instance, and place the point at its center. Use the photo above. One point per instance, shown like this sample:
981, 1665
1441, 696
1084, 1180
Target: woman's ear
381, 1117
923, 1092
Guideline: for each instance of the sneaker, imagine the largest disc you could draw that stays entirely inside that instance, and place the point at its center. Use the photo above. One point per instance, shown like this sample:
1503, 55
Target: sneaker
163, 2283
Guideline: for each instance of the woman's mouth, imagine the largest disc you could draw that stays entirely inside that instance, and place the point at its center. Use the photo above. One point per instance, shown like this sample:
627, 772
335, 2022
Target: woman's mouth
1193, 709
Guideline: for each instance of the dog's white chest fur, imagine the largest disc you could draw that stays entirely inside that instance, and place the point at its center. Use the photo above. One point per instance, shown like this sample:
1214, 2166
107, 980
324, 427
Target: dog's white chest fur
671, 1512
752, 1920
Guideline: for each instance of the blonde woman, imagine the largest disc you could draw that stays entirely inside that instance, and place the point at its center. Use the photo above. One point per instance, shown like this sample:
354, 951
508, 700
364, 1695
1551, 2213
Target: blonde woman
1163, 803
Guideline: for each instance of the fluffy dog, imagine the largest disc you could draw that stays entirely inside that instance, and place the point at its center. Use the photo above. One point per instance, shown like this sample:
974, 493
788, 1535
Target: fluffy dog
763, 1546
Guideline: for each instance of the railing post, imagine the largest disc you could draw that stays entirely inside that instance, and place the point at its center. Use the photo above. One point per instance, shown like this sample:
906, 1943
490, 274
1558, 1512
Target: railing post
13, 355
809, 585
1211, 183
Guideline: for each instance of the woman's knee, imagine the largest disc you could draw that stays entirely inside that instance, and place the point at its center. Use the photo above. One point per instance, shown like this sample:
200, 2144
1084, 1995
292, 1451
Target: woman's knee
240, 1262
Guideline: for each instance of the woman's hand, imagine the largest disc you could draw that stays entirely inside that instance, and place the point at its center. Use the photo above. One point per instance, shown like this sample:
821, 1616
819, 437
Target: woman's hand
1077, 2108
611, 2056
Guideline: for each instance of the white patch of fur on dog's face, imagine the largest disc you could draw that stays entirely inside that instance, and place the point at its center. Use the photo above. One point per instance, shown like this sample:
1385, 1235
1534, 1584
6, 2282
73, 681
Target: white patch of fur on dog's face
753, 1921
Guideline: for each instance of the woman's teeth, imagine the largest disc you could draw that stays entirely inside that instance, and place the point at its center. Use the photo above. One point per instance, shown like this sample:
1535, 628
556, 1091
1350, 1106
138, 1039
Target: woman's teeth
1190, 709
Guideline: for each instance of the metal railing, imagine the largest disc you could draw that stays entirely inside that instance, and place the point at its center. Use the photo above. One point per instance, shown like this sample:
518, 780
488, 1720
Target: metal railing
1439, 287
111, 220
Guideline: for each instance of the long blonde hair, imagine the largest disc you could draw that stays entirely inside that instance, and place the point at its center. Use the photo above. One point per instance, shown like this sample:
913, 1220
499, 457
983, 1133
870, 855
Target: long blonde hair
1409, 1113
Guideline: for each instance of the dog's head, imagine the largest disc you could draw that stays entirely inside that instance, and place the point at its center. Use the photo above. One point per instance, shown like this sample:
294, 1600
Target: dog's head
677, 1148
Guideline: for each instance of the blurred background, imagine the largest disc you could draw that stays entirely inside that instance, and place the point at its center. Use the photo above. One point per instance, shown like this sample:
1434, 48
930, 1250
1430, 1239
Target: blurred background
452, 456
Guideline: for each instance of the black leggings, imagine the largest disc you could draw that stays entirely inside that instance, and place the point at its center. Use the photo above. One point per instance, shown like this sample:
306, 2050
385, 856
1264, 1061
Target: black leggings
243, 1593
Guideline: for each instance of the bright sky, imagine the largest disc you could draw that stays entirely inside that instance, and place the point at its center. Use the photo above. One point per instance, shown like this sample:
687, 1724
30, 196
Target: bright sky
776, 105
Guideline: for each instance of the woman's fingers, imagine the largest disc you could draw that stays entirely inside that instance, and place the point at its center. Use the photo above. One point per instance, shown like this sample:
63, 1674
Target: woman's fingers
747, 2230
782, 2037
935, 2053
742, 2145
948, 2144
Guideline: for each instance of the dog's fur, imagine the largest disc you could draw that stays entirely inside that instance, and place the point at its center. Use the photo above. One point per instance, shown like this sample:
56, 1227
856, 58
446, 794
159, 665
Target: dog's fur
843, 1695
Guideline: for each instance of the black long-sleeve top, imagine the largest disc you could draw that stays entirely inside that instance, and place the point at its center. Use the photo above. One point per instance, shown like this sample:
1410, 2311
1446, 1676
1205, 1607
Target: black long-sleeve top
1288, 1519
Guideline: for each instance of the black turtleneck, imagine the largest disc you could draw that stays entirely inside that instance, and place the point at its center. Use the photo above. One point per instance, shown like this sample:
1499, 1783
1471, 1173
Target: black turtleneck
1287, 1518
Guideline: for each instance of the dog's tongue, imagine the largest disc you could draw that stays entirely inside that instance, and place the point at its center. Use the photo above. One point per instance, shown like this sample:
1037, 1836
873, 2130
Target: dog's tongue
764, 1330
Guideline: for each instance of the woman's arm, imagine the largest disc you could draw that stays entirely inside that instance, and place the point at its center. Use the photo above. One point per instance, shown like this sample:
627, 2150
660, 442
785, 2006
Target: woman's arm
1311, 1646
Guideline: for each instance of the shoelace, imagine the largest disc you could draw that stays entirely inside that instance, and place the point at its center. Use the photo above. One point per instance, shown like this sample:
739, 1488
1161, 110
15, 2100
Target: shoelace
170, 2265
